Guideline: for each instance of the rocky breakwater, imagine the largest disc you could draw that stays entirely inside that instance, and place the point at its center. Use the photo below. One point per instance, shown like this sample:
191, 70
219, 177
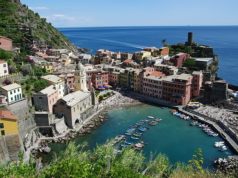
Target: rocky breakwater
228, 165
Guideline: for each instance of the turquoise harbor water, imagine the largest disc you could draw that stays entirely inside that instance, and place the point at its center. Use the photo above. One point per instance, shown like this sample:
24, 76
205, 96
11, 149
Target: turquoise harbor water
172, 136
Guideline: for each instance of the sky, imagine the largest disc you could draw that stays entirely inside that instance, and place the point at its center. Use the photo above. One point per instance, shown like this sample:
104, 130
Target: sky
97, 13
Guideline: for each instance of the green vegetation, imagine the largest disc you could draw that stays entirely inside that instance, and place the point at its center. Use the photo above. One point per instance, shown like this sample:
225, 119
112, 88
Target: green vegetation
190, 63
40, 85
5, 55
24, 26
174, 49
104, 163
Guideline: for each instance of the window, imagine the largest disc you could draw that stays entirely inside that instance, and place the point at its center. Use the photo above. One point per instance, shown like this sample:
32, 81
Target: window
2, 132
1, 125
5, 71
4, 65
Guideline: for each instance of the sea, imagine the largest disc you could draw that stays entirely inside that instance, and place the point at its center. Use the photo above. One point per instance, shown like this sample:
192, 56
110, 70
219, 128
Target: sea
173, 137
224, 40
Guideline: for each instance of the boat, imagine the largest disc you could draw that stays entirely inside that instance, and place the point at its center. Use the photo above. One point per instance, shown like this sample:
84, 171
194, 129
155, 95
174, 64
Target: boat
223, 148
153, 123
137, 134
151, 117
128, 134
139, 146
134, 138
128, 143
142, 129
219, 144
158, 119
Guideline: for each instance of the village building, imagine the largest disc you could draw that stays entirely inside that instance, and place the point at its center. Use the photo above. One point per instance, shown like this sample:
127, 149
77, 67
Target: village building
153, 84
179, 59
197, 83
74, 106
13, 92
45, 99
57, 82
3, 68
177, 89
8, 123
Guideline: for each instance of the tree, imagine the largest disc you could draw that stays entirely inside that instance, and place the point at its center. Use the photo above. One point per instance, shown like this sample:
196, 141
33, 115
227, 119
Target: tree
190, 63
40, 85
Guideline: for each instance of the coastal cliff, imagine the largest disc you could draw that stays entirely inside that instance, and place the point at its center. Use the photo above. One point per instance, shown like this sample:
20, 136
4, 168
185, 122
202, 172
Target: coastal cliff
24, 27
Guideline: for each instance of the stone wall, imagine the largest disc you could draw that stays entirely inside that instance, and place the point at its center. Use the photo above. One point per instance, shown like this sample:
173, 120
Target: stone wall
25, 118
10, 147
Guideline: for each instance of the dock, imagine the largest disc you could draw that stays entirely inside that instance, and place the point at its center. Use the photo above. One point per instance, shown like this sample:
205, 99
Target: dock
215, 126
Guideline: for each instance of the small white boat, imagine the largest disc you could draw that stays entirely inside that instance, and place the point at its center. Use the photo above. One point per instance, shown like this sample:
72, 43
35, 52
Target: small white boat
151, 117
219, 144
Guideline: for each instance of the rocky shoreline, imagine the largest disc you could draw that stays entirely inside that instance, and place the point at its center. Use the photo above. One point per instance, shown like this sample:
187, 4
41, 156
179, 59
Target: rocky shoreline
227, 165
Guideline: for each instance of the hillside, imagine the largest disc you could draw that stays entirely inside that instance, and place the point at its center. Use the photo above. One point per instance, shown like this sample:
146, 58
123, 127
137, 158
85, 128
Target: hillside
24, 26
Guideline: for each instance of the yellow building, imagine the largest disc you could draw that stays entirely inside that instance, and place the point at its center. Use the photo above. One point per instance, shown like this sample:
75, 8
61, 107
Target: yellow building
8, 123
48, 67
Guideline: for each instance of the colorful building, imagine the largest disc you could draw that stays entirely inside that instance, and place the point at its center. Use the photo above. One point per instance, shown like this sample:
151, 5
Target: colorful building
8, 123
45, 99
177, 89
179, 59
153, 84
57, 82
100, 80
197, 83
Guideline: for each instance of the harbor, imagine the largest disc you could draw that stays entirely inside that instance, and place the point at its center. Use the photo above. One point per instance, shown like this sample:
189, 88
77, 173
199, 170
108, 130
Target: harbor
152, 130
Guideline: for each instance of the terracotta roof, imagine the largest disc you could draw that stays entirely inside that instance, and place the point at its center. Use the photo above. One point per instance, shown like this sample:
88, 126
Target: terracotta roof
128, 61
157, 74
5, 114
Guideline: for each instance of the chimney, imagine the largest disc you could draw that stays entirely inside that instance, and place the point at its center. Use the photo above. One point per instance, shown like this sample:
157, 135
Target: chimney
190, 38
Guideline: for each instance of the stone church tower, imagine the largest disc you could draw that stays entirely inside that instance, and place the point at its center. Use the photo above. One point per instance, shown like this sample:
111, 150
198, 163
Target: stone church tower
80, 78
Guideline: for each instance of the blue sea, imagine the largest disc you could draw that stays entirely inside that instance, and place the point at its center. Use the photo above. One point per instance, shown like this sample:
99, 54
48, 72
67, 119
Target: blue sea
224, 39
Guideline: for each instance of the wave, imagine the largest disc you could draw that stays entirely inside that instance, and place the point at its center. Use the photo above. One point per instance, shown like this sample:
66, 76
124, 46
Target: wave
124, 43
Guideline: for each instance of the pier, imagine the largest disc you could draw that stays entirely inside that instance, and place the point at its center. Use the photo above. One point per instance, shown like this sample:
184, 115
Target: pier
215, 126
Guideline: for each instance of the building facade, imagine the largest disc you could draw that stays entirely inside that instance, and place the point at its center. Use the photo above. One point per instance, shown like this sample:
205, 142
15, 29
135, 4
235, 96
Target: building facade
3, 68
13, 92
8, 123
57, 82
177, 89
45, 99
72, 106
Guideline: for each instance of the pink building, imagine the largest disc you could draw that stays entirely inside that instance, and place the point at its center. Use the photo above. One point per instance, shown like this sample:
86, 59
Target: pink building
100, 80
45, 99
69, 81
5, 43
179, 59
197, 83
153, 84
177, 89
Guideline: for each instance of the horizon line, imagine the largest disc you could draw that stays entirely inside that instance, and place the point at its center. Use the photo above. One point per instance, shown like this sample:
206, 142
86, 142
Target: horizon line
147, 26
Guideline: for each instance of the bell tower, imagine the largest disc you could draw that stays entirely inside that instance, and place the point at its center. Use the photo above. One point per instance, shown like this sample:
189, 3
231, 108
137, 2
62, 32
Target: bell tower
80, 78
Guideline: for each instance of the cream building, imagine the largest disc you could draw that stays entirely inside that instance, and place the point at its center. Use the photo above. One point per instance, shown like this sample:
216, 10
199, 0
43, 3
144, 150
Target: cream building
13, 92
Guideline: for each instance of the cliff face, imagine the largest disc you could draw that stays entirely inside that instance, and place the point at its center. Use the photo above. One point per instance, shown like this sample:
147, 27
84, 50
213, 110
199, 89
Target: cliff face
24, 26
